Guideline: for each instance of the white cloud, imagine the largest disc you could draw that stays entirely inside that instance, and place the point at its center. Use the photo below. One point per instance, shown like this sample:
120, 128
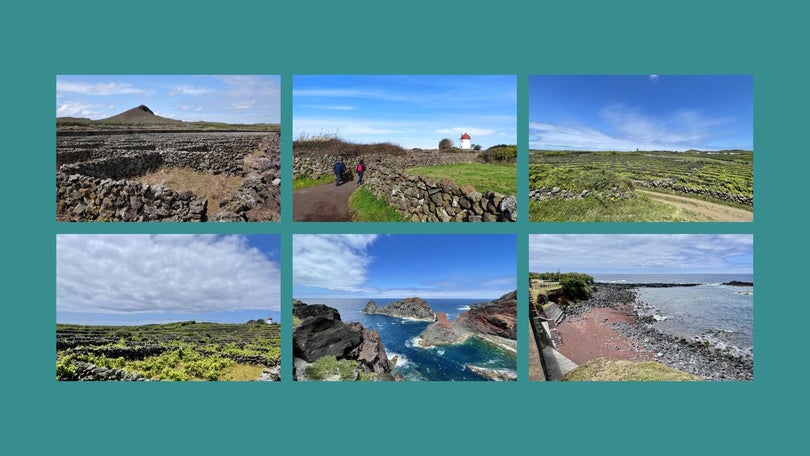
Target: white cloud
79, 109
109, 88
632, 129
329, 107
371, 94
129, 274
331, 261
189, 90
247, 104
686, 253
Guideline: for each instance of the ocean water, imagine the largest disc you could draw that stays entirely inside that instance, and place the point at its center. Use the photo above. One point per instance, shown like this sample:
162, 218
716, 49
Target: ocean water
414, 362
721, 311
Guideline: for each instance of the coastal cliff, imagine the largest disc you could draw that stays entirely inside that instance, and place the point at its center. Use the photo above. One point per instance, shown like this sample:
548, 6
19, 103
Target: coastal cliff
408, 308
494, 322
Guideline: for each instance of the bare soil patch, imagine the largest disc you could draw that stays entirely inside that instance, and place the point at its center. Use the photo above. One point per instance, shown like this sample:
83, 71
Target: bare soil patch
215, 187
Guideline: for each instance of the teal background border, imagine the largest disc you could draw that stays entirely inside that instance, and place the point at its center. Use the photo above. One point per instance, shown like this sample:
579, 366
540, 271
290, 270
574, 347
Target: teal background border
768, 40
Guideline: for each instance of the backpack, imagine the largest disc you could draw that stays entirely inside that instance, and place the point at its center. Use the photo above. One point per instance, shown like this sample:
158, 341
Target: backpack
360, 168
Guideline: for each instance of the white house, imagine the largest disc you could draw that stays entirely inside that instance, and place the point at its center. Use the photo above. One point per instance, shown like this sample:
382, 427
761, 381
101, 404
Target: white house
269, 320
466, 141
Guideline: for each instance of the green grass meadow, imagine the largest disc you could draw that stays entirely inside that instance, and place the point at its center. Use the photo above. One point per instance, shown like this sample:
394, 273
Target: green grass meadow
482, 177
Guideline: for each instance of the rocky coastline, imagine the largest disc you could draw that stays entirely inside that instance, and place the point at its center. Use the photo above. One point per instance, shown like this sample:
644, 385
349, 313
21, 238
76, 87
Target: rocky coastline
494, 322
703, 356
322, 334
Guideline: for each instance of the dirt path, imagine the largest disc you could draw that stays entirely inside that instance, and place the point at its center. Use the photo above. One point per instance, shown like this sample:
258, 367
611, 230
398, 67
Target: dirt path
705, 210
323, 203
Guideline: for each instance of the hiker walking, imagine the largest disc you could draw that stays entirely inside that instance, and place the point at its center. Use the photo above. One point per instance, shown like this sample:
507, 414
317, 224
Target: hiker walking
340, 168
361, 168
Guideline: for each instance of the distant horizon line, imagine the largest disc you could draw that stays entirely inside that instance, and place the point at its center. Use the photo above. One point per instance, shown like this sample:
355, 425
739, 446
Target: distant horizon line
646, 150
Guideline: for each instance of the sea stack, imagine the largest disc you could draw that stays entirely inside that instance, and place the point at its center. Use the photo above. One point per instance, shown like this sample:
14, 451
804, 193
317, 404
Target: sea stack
408, 308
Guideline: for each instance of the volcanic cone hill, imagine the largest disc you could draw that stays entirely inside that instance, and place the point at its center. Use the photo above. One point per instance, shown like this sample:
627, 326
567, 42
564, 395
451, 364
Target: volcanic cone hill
140, 115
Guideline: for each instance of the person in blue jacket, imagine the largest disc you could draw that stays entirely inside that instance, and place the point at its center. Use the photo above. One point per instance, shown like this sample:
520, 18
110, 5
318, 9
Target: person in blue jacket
340, 168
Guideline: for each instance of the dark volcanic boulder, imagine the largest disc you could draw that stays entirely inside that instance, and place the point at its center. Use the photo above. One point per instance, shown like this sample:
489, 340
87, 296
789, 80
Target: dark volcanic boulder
317, 337
322, 333
498, 318
411, 308
304, 311
440, 332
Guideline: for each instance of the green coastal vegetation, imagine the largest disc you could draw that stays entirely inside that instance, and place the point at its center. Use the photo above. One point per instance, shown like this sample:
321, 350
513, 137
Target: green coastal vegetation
617, 186
612, 370
574, 286
331, 368
173, 351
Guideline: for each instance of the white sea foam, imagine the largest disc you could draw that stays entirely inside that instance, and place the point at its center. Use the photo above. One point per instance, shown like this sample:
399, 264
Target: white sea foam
413, 342
463, 308
402, 361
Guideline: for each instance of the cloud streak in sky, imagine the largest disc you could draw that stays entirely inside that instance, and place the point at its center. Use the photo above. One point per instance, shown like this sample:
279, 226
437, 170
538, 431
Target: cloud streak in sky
109, 88
641, 253
130, 274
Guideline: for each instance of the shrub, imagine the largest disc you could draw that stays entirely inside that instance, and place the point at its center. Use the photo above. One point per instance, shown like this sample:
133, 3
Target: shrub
328, 366
501, 153
445, 144
576, 286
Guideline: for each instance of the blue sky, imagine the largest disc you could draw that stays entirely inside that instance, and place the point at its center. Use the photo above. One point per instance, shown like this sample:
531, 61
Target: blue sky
139, 279
646, 112
225, 98
411, 111
642, 253
400, 266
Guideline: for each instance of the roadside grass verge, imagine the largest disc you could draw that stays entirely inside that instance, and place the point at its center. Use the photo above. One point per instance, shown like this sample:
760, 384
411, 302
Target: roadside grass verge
215, 187
366, 207
482, 177
638, 209
306, 181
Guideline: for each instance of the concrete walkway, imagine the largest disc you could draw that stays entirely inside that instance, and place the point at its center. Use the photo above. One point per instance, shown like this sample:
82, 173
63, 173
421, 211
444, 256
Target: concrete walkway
535, 368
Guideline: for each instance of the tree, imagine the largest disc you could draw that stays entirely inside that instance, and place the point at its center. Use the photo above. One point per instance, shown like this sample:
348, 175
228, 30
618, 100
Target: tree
476, 147
445, 144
